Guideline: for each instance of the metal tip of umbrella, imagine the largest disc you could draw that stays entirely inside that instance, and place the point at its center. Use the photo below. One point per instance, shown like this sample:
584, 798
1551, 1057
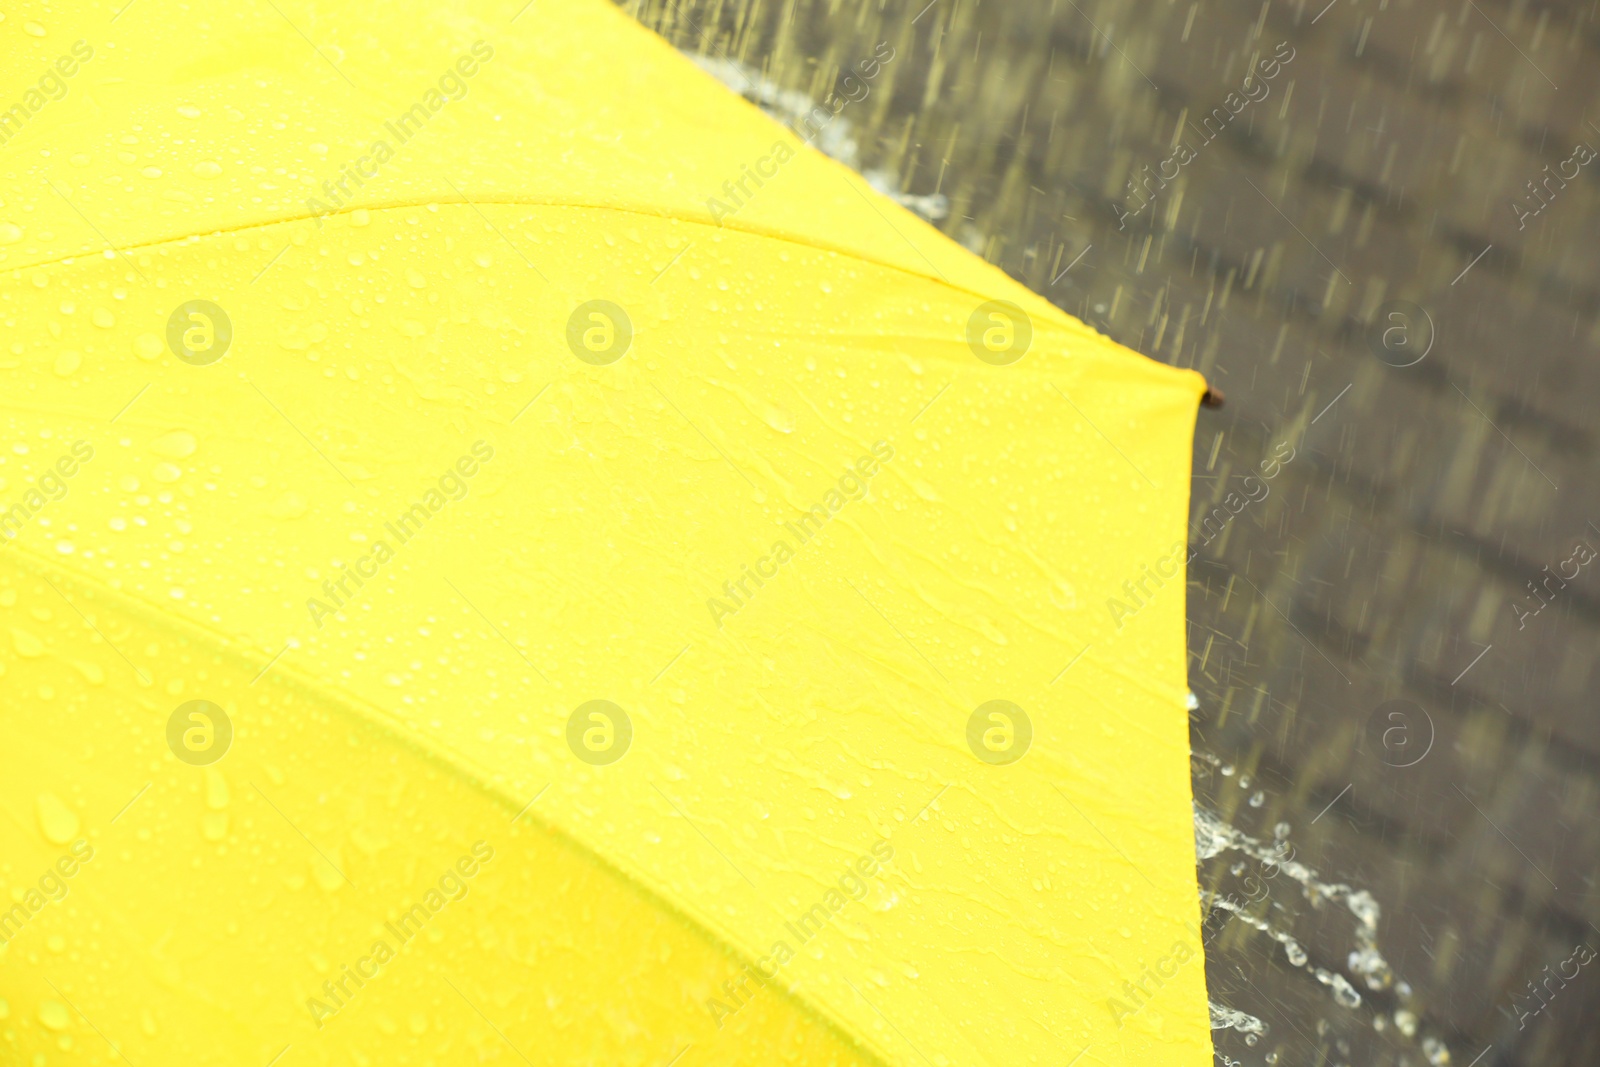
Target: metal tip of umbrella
1212, 398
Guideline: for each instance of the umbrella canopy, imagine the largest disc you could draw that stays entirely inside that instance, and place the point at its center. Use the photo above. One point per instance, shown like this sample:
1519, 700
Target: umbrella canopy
510, 553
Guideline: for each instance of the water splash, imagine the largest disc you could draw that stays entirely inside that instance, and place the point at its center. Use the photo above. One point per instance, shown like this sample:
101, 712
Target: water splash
836, 139
1438, 1055
1214, 836
1291, 948
1229, 1019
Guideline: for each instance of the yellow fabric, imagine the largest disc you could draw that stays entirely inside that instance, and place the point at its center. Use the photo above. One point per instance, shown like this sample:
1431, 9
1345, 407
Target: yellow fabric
583, 527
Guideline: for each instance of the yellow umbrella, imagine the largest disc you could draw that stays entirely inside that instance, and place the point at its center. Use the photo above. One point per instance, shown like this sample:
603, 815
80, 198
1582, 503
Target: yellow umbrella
512, 556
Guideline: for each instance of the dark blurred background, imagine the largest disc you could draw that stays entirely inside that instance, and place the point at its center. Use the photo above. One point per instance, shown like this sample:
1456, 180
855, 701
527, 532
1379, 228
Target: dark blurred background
1393, 648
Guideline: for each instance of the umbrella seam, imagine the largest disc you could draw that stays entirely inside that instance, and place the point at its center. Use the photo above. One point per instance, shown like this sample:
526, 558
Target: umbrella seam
466, 769
1061, 318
